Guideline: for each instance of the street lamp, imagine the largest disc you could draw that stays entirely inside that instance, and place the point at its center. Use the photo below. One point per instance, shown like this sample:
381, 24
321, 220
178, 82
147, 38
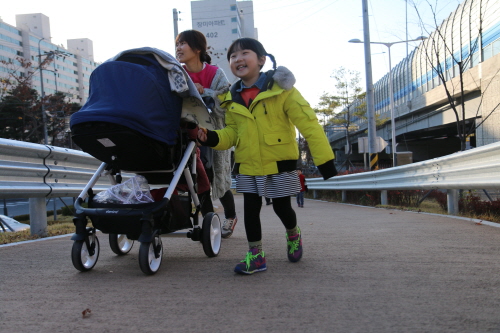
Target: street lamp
391, 92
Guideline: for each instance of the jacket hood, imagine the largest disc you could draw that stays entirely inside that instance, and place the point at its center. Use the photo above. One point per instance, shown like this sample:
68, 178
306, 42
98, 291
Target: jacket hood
284, 77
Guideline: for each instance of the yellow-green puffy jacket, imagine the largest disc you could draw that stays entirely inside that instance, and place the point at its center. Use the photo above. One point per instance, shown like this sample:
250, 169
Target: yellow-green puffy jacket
264, 133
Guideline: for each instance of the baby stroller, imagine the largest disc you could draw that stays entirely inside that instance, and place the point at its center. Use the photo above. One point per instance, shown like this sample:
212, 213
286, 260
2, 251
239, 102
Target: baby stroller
137, 118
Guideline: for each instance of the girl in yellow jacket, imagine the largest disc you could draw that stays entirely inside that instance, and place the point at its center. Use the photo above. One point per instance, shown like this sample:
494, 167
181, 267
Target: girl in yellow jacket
262, 111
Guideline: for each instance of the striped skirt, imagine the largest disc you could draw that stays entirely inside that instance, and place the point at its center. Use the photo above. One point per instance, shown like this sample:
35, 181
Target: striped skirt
279, 185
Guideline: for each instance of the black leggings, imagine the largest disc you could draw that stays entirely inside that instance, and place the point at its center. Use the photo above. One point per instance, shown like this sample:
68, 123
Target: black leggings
252, 204
227, 201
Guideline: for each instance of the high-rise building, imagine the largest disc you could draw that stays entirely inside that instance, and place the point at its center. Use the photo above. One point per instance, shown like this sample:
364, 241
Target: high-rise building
68, 73
222, 22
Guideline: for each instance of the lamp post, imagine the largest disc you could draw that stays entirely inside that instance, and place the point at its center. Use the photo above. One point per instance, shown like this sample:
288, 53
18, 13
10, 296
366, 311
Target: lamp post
391, 92
176, 19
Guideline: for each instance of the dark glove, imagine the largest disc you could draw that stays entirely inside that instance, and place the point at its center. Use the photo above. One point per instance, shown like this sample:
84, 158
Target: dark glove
327, 169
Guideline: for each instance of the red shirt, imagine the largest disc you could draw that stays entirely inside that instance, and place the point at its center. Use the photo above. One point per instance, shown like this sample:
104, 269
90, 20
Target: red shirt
302, 179
249, 94
203, 77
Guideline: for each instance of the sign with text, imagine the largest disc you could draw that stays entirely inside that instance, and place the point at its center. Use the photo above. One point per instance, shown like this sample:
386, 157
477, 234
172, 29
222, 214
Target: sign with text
363, 146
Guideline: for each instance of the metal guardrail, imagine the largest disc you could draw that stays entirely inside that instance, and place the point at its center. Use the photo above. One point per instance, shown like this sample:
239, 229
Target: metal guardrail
29, 170
475, 169
34, 171
478, 168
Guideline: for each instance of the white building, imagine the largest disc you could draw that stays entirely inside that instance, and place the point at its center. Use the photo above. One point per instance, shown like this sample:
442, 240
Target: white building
222, 22
31, 35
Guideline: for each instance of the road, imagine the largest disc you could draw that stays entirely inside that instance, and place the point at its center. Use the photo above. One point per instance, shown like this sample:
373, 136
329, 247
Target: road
363, 270
16, 207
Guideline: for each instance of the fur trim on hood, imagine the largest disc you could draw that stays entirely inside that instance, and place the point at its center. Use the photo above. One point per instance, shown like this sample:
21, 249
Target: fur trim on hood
284, 78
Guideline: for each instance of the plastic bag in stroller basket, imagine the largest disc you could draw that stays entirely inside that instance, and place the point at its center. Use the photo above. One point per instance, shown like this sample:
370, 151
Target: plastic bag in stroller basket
133, 191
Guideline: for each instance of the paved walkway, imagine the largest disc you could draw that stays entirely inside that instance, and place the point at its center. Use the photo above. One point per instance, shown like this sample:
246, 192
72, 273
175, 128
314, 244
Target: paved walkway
363, 270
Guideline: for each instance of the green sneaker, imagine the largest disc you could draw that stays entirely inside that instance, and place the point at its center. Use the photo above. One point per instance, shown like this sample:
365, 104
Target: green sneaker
294, 246
255, 261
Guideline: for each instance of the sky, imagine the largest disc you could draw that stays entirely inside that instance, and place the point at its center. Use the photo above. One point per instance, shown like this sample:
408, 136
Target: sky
310, 37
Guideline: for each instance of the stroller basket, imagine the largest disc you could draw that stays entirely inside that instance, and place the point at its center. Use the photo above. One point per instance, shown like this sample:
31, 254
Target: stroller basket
122, 219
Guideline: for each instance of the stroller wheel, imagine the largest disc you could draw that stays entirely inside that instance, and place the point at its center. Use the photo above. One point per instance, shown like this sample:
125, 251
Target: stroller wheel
85, 257
120, 244
150, 254
211, 234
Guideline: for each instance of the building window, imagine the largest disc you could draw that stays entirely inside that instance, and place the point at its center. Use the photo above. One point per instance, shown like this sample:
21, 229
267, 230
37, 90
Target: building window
496, 47
234, 31
487, 52
233, 8
233, 19
475, 59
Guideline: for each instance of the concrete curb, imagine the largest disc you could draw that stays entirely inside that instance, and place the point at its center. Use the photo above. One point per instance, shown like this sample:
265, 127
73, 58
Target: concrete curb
35, 240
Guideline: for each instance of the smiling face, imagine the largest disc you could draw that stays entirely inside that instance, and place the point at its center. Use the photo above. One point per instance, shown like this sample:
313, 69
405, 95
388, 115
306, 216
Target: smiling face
184, 53
246, 65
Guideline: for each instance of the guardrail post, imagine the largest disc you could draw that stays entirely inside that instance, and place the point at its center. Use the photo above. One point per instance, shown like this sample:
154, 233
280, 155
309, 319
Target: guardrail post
383, 198
315, 195
452, 196
38, 217
344, 196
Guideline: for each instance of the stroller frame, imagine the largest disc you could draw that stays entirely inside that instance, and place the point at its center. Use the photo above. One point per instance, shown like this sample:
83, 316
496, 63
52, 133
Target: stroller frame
86, 248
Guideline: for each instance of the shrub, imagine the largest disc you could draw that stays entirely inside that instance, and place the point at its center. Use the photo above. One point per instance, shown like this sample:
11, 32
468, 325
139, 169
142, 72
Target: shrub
68, 211
406, 198
440, 197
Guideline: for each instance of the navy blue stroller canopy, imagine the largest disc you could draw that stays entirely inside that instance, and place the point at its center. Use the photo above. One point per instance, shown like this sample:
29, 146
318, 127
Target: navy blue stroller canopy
136, 90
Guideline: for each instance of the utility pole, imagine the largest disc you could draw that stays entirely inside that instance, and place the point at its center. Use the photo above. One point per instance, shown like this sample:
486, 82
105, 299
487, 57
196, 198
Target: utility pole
176, 19
370, 98
44, 116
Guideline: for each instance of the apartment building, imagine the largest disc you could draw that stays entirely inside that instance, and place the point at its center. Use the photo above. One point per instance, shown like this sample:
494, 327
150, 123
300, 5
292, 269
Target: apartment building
222, 22
70, 71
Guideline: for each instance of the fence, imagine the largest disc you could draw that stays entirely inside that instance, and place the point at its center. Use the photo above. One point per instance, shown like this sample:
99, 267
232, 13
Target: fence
37, 172
478, 168
34, 171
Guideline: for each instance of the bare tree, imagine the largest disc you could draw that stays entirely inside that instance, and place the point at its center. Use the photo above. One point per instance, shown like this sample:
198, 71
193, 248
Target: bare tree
450, 62
345, 105
21, 106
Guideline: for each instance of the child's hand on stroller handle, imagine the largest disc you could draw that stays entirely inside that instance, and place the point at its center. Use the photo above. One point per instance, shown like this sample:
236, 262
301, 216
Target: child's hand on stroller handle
202, 134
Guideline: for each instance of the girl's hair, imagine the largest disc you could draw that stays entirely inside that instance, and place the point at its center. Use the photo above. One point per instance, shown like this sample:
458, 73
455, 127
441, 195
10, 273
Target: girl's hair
196, 41
249, 44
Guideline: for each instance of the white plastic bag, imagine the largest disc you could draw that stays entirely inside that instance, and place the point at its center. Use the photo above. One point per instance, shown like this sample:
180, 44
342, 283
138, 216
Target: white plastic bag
133, 191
